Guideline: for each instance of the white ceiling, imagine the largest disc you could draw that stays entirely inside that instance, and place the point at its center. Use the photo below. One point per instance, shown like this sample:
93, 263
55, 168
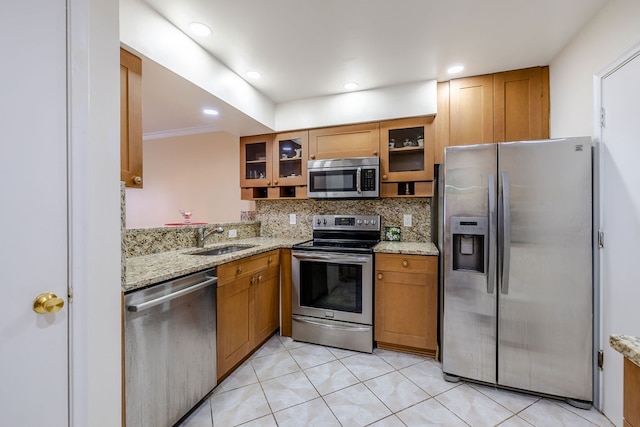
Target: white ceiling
310, 48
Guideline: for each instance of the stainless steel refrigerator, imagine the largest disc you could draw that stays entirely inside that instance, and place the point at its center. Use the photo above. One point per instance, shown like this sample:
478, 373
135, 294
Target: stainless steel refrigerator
517, 227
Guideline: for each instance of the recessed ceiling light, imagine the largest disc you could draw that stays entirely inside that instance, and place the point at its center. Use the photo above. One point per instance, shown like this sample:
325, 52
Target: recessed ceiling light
200, 29
350, 85
455, 69
253, 75
210, 112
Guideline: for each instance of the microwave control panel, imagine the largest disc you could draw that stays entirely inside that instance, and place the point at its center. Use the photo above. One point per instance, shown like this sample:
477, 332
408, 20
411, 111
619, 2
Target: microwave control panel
368, 178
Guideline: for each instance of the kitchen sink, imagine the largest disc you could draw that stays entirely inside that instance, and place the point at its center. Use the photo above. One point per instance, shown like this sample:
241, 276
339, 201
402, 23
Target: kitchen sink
222, 250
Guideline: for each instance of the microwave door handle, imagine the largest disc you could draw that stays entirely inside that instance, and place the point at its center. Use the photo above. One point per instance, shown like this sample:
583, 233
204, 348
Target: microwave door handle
358, 174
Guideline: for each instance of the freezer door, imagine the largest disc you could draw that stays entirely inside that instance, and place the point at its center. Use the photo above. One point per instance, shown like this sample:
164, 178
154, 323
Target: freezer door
469, 224
545, 279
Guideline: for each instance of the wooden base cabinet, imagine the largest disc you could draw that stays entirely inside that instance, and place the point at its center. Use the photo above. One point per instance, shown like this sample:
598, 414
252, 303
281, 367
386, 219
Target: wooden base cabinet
248, 307
631, 400
406, 303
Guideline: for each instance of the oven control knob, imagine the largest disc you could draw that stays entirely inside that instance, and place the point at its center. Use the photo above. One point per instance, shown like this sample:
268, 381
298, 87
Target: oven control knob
324, 221
366, 222
318, 221
359, 221
373, 222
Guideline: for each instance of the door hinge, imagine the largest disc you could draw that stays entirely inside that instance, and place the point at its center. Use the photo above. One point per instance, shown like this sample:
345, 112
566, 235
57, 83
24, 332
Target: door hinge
600, 359
600, 239
602, 117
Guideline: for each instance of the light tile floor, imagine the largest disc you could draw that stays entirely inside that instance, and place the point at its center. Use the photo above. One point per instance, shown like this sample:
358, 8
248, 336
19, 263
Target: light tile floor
288, 383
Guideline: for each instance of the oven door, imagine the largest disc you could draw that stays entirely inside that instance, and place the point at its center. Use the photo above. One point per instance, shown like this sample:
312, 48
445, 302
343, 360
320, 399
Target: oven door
333, 285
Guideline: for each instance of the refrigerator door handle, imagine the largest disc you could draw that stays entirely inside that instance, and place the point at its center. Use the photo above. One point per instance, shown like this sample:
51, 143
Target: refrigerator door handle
491, 259
506, 232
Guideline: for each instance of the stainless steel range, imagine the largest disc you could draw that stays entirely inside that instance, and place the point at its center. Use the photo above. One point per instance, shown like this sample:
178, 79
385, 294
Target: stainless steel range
332, 295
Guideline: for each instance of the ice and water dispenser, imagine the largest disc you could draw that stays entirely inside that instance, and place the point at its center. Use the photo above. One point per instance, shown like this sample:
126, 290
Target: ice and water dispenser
469, 238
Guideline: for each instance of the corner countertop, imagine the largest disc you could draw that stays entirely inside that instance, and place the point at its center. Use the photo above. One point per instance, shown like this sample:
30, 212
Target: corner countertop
142, 271
148, 270
407, 248
628, 345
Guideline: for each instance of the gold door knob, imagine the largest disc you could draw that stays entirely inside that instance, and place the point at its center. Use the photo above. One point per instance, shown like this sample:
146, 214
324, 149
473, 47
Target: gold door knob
47, 303
137, 180
405, 263
379, 276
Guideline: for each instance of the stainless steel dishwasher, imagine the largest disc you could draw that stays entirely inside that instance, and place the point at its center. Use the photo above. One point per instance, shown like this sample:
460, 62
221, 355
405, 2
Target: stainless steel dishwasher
170, 349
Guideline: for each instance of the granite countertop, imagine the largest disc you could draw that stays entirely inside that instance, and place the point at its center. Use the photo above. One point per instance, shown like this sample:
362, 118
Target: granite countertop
142, 271
408, 248
147, 270
628, 345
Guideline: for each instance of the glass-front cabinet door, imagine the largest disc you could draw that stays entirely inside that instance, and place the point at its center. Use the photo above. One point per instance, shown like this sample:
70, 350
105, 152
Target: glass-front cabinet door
256, 161
406, 150
290, 158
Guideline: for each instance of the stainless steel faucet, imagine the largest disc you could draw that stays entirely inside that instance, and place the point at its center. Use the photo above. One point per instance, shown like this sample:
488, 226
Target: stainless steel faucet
201, 237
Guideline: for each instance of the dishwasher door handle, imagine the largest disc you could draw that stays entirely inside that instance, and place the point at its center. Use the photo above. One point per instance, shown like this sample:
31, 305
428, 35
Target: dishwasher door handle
152, 303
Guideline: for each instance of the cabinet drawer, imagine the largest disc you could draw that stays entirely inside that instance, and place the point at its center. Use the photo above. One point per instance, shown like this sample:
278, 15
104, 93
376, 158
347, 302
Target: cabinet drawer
407, 263
246, 266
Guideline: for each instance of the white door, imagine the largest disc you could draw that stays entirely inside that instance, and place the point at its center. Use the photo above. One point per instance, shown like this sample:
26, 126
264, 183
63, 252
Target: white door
33, 213
620, 220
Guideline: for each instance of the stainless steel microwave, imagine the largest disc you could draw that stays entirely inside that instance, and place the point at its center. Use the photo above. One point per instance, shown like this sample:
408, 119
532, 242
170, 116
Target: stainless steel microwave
356, 177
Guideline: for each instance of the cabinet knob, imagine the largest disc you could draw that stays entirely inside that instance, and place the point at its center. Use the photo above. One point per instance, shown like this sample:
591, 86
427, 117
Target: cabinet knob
259, 278
137, 180
275, 182
375, 153
252, 281
379, 276
405, 263
269, 260
313, 156
384, 176
239, 269
268, 182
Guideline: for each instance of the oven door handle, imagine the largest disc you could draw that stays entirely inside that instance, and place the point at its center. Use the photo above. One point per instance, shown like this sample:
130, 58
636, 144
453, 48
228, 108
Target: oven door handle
333, 327
345, 259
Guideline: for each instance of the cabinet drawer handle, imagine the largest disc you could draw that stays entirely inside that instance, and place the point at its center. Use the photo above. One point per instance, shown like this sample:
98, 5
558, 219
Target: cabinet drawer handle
239, 269
379, 276
405, 263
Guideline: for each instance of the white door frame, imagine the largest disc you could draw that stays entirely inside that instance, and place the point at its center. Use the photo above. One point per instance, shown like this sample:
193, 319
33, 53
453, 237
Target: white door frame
598, 134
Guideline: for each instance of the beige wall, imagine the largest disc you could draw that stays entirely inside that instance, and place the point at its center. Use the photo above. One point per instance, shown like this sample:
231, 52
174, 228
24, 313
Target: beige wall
196, 172
615, 29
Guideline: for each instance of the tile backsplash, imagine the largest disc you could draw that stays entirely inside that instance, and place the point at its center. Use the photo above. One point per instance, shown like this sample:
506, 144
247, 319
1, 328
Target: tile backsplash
273, 215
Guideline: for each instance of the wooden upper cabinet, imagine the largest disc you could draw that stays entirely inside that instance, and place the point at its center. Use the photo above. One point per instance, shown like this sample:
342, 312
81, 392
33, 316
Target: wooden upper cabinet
344, 141
406, 149
471, 110
256, 161
130, 119
290, 151
519, 105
